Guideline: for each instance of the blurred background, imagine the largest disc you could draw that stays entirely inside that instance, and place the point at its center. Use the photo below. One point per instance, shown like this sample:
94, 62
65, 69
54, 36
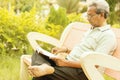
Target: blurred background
19, 17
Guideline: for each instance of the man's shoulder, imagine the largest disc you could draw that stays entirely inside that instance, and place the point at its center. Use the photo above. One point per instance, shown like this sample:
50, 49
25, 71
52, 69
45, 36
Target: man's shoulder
105, 28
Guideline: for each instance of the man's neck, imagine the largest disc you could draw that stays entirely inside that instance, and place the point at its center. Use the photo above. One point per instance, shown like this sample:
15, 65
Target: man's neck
103, 24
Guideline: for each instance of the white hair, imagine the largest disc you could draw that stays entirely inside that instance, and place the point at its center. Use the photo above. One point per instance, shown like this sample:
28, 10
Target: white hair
100, 5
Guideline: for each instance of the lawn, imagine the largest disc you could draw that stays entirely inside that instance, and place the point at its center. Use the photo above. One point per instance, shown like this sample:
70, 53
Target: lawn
9, 67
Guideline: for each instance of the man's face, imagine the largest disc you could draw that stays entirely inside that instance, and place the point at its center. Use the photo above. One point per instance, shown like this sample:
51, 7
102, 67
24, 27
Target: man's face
95, 20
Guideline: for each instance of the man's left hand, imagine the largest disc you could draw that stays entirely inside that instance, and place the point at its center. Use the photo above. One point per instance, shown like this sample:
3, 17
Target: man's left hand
59, 61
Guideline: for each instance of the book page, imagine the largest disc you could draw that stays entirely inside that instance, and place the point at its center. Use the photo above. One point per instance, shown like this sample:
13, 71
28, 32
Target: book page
44, 52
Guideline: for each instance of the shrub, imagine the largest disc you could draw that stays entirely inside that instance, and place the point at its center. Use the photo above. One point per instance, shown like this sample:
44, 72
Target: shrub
14, 28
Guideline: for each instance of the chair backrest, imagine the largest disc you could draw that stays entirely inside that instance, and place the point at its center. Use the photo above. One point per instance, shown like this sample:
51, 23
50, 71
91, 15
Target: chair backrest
110, 72
74, 33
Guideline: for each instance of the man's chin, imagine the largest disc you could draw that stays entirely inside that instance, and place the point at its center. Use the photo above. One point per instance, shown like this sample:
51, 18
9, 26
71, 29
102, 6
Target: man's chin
94, 25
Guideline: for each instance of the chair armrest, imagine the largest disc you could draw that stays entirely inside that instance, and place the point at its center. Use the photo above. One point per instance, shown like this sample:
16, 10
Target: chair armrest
34, 36
88, 62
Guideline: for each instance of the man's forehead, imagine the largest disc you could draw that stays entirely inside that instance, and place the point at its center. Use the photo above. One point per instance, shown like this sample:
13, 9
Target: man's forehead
91, 9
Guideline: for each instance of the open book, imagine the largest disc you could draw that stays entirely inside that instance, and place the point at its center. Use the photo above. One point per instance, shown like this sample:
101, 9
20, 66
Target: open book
44, 52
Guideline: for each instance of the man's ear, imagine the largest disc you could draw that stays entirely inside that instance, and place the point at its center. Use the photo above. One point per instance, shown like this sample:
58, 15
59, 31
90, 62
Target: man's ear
102, 14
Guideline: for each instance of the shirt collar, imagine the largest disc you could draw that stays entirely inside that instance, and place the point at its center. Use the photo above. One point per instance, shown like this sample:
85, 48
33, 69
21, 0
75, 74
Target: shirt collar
103, 28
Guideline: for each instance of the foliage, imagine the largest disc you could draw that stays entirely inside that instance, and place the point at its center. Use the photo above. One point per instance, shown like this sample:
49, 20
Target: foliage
117, 25
13, 30
76, 17
112, 4
69, 5
114, 16
59, 18
21, 5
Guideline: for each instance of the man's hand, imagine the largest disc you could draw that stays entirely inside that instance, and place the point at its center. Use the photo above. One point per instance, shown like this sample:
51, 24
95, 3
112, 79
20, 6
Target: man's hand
59, 50
66, 63
58, 60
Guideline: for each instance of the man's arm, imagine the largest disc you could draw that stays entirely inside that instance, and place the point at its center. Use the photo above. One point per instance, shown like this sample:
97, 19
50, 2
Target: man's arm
63, 62
74, 64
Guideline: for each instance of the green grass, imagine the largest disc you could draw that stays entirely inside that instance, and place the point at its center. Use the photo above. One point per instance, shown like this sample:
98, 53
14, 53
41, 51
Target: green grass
9, 67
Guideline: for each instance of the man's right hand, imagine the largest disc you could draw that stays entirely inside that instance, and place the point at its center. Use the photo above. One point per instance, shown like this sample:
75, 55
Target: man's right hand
56, 50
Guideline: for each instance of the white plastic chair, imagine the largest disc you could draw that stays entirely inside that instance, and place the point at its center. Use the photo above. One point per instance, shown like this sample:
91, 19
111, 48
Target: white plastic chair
69, 39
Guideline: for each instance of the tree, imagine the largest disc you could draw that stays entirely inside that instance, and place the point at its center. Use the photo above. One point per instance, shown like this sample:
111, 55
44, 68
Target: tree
69, 5
114, 15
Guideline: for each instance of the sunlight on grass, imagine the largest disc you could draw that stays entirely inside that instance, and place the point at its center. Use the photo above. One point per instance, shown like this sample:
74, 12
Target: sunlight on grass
9, 68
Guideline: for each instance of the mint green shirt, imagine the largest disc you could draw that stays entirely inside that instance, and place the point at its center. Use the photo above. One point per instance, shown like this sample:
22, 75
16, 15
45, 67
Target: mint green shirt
100, 39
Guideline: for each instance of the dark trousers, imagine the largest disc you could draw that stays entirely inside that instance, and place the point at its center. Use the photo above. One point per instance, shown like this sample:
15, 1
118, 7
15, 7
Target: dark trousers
61, 73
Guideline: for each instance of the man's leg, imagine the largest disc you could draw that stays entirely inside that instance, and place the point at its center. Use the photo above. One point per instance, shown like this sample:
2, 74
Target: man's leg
64, 73
38, 59
41, 65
